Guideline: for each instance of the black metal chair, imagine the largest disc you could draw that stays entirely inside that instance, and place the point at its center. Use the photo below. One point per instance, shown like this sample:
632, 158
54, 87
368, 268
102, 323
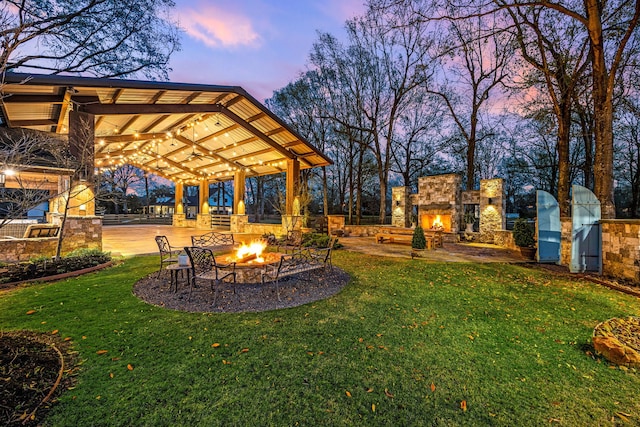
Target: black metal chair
168, 253
291, 243
205, 267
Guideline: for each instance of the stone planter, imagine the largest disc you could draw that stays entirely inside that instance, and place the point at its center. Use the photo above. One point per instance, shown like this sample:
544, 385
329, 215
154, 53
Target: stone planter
528, 253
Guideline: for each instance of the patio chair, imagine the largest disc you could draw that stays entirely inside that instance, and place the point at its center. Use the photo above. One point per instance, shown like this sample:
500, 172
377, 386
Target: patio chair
168, 253
324, 254
293, 242
205, 267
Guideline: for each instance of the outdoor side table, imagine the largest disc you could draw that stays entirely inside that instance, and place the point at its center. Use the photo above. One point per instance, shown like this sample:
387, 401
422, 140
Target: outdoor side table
176, 269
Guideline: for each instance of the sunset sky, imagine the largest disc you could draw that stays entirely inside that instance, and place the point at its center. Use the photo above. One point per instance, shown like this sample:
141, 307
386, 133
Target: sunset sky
260, 45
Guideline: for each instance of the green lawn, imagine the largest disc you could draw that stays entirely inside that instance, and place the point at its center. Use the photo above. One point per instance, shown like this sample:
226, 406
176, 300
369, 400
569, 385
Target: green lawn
405, 343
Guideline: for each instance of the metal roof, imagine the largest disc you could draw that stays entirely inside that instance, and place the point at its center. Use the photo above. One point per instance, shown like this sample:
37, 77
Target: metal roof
183, 132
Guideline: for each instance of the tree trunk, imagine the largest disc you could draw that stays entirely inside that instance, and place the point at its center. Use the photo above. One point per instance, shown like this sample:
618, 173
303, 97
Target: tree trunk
564, 171
603, 114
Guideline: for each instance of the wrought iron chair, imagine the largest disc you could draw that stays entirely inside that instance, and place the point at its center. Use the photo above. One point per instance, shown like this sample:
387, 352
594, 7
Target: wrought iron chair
291, 243
168, 253
205, 267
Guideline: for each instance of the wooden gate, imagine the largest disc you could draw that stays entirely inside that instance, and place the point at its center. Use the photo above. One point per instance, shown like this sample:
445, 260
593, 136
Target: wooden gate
586, 237
548, 227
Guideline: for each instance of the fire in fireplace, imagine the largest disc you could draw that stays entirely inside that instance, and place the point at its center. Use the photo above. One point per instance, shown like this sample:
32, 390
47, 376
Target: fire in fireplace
436, 222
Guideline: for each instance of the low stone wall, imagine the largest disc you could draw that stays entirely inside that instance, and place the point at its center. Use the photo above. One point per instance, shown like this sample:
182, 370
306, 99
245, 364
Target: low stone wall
79, 232
505, 239
621, 249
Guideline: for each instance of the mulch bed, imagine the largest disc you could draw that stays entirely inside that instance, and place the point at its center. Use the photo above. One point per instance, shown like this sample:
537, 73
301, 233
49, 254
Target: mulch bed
242, 297
34, 370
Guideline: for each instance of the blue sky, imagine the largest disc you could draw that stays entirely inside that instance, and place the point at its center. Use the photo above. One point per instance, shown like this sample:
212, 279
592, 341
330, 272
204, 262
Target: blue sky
260, 45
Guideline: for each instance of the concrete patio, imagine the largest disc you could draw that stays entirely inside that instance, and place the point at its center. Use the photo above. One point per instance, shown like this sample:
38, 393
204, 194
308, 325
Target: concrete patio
128, 240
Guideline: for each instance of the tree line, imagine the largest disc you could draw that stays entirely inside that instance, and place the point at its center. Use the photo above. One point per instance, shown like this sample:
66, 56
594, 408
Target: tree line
543, 94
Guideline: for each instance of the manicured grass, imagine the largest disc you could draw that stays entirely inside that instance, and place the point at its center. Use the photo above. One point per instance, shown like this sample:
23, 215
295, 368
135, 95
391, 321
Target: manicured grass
406, 343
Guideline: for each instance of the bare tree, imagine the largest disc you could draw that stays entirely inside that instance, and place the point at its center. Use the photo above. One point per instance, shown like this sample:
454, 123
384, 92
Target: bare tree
106, 38
27, 154
476, 62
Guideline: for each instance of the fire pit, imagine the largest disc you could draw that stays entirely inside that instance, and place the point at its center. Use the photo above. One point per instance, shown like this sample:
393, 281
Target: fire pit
250, 261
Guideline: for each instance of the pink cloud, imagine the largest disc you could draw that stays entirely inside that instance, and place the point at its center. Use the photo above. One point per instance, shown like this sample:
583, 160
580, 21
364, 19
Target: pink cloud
219, 27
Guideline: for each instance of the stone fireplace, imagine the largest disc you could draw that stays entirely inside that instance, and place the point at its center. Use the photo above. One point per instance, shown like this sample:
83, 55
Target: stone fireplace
440, 204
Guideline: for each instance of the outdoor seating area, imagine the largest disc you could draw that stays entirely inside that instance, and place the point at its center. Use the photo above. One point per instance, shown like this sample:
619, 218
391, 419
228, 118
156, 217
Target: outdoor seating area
219, 260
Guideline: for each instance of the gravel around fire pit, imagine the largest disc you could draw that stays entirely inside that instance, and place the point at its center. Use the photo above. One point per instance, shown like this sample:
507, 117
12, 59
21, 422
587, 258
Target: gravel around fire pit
294, 291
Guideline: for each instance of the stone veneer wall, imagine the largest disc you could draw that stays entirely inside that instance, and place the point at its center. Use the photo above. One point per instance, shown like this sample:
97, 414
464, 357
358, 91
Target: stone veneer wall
79, 232
621, 249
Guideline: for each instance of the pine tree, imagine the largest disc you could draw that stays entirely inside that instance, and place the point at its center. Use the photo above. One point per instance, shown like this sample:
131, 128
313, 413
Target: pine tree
418, 241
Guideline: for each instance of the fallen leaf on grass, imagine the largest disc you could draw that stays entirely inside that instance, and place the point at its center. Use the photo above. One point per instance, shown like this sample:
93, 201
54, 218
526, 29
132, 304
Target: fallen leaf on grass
373, 407
102, 351
244, 350
463, 406
624, 417
31, 312
130, 367
215, 345
67, 339
54, 332
110, 374
369, 390
347, 393
433, 387
388, 394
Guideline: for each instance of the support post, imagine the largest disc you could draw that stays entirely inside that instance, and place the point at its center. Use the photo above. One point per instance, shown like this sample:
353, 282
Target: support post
81, 146
293, 183
238, 189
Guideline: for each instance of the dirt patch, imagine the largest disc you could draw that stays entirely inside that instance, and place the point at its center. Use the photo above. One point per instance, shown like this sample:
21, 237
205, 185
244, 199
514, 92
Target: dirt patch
242, 297
34, 371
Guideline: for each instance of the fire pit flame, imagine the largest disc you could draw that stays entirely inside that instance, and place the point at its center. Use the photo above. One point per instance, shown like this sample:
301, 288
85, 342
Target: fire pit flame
250, 252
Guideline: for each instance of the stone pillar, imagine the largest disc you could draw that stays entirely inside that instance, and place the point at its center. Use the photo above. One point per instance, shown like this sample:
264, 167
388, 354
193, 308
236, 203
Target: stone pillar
566, 241
238, 189
401, 207
335, 224
291, 222
492, 208
238, 223
293, 182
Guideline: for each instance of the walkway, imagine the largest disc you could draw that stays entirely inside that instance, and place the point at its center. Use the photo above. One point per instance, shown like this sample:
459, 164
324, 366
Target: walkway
128, 240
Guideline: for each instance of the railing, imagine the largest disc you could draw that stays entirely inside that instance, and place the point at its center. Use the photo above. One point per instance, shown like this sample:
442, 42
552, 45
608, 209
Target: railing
221, 221
132, 219
16, 227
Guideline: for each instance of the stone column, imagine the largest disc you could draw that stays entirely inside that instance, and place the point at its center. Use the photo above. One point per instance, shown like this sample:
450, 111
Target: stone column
566, 242
335, 224
492, 208
238, 223
401, 207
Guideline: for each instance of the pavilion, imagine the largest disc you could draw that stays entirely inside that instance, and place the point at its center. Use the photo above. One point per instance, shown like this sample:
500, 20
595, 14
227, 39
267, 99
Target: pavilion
191, 134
